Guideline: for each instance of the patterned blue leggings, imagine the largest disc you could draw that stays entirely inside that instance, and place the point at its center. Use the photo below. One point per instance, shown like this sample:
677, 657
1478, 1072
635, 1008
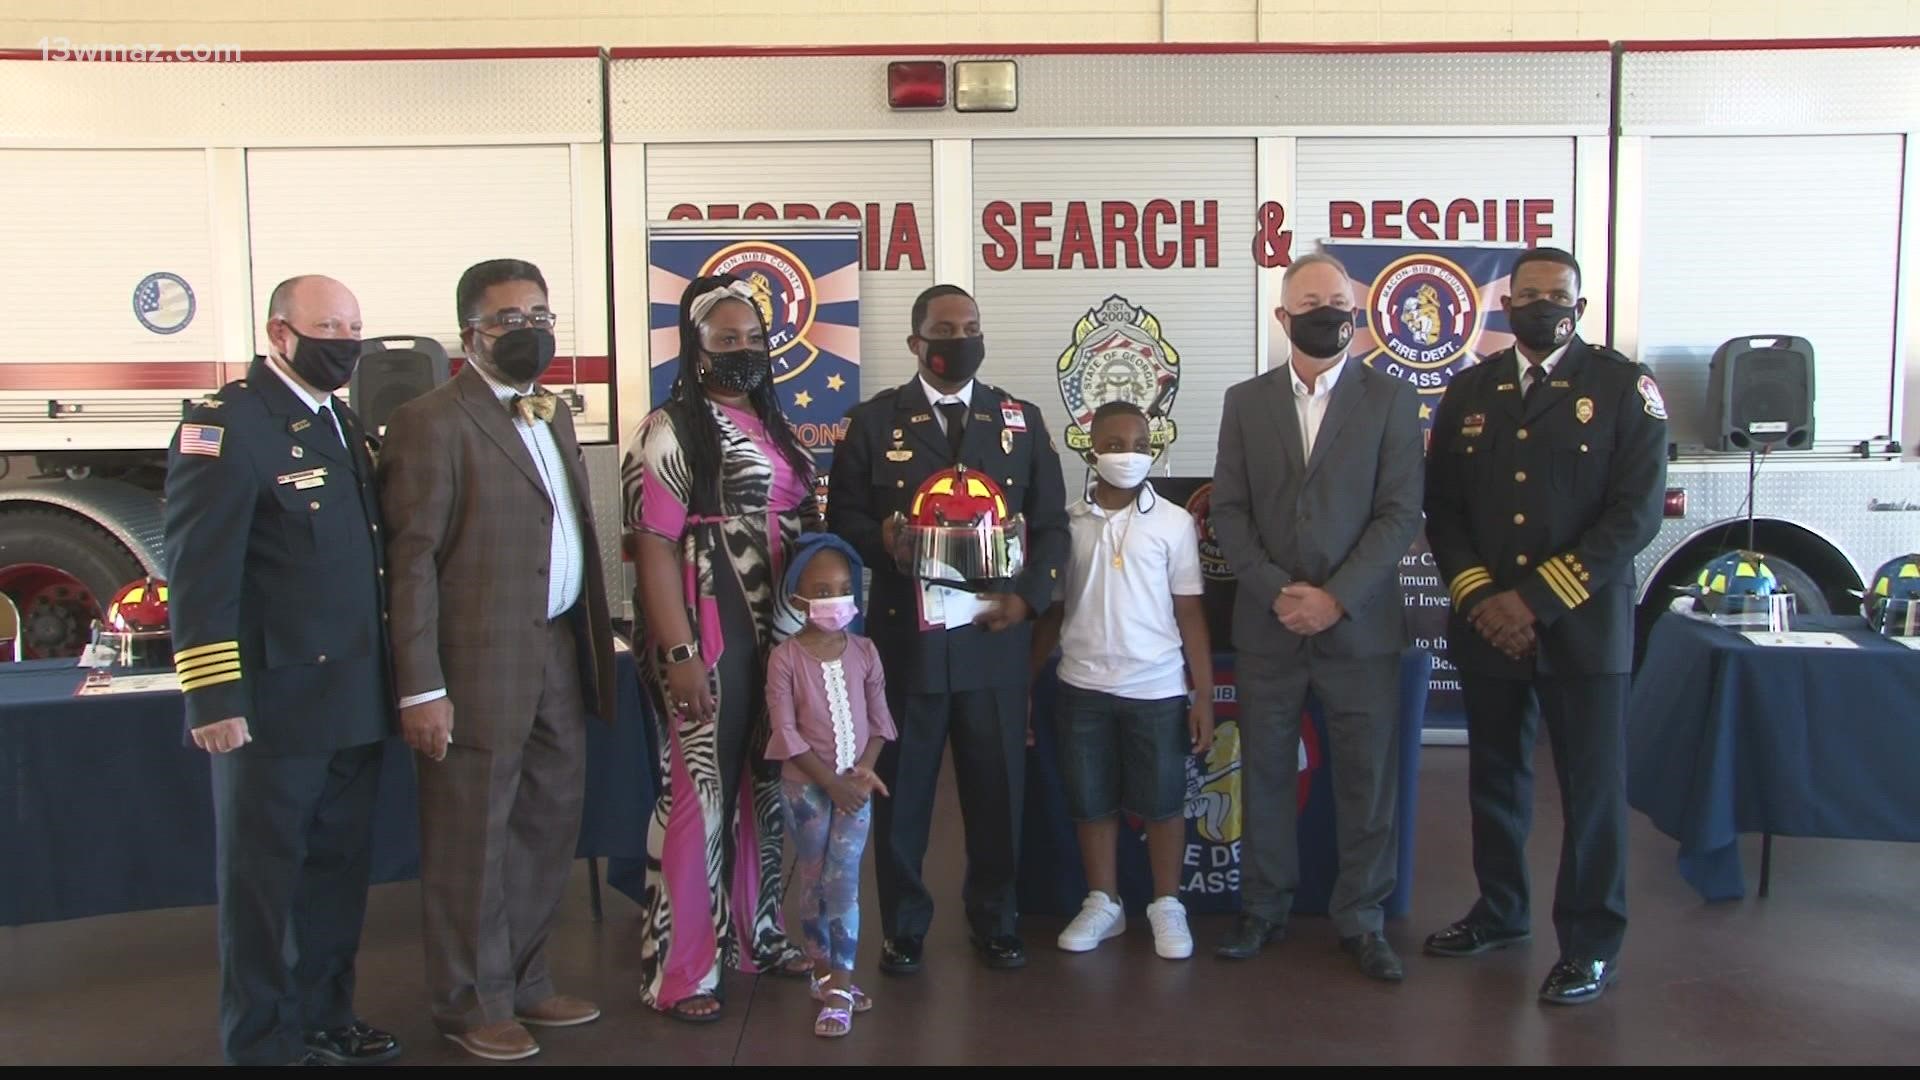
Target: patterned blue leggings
827, 871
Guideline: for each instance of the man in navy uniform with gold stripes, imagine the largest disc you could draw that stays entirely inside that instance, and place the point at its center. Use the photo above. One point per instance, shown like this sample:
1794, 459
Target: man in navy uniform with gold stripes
1545, 479
278, 613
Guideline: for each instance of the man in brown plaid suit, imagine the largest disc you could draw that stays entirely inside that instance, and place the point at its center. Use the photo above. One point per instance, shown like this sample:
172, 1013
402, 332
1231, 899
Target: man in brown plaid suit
500, 632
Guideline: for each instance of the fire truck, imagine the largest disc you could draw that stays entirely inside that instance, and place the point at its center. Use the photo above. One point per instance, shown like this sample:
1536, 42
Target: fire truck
1153, 194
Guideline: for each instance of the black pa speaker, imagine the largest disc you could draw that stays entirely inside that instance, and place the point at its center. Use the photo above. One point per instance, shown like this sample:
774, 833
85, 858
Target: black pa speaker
394, 370
1761, 390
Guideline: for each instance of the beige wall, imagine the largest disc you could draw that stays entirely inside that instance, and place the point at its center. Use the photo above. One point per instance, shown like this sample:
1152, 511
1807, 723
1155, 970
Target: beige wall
313, 24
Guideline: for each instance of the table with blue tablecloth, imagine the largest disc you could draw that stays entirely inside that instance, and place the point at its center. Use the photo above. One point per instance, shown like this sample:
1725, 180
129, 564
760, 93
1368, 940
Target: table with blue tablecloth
109, 809
1725, 737
1052, 881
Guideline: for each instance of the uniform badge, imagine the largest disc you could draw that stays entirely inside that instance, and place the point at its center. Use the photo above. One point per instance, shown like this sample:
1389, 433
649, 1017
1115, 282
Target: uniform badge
1006, 441
899, 453
1583, 410
1013, 416
210, 403
1473, 425
300, 425
297, 452
1559, 384
898, 435
201, 439
923, 418
1507, 386
1655, 405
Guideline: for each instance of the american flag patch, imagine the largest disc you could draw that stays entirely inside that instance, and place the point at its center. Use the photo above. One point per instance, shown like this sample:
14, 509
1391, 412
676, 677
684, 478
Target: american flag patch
202, 439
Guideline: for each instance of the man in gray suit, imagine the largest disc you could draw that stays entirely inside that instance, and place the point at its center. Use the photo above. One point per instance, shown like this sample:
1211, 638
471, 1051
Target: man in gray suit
1316, 497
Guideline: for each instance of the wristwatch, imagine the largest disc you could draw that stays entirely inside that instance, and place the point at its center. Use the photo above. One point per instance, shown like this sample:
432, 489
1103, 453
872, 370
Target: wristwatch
680, 654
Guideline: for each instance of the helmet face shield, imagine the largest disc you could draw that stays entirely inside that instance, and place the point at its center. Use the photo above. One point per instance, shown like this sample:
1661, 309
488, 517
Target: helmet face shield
135, 632
962, 531
967, 553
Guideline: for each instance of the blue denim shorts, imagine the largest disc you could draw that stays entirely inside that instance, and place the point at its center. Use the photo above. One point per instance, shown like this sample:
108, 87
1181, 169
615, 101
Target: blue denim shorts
1123, 754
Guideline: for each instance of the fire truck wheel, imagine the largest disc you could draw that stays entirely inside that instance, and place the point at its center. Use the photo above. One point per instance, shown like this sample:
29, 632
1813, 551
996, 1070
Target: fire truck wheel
59, 570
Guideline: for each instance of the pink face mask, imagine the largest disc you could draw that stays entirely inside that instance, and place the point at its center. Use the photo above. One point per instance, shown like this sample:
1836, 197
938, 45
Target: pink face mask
831, 613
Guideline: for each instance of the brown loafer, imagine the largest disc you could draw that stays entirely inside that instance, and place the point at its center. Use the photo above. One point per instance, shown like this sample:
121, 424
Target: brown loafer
503, 1041
560, 1011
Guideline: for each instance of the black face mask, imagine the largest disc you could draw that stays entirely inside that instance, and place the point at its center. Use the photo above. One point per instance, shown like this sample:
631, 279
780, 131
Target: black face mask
955, 360
523, 355
1542, 324
1322, 333
324, 363
738, 372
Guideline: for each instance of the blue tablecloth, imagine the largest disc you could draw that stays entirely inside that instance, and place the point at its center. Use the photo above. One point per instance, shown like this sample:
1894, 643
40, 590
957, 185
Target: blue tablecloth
109, 810
1052, 881
1725, 737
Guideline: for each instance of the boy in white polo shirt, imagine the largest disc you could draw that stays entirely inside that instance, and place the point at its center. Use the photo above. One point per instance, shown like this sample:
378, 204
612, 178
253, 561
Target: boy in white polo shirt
1126, 720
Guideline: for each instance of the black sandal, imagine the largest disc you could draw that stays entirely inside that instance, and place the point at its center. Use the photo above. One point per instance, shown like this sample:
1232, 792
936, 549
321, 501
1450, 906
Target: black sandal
678, 1010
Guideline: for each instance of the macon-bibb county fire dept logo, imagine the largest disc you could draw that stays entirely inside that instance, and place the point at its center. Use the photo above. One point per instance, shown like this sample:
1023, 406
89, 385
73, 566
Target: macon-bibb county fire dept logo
1118, 355
783, 290
1426, 314
1213, 560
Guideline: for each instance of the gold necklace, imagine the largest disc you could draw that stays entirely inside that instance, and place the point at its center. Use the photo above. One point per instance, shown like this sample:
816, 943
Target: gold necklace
1119, 557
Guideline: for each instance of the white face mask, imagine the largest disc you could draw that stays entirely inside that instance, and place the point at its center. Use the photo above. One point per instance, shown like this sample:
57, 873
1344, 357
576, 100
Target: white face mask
1124, 471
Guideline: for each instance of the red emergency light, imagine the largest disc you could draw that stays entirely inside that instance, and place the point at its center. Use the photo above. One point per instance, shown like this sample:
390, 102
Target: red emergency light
917, 84
1675, 504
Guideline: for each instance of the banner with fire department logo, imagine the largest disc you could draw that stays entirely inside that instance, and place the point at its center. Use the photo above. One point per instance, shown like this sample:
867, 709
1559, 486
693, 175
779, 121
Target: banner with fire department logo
806, 283
1424, 314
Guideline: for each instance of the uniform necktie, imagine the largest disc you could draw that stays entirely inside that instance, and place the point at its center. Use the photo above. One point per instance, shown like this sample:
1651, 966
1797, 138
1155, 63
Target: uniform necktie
1536, 376
955, 413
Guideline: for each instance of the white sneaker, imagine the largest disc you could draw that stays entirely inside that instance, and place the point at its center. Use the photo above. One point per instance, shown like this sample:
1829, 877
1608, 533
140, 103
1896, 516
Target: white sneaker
1099, 919
1171, 938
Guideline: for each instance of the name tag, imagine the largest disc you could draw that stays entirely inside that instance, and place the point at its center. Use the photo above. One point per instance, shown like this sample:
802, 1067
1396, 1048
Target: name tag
1012, 415
304, 479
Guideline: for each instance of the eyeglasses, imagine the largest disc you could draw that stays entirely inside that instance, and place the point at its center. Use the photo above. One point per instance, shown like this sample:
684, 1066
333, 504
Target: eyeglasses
518, 320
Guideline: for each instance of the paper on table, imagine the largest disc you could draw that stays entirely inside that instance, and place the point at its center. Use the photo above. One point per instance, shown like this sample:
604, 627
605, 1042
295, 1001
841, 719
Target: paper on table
1910, 642
1799, 639
132, 684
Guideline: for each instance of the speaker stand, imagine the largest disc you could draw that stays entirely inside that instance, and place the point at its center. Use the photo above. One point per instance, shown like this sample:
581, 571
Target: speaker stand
1753, 470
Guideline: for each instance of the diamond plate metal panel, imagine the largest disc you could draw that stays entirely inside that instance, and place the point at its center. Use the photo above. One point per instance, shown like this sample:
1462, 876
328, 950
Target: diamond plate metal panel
1833, 501
1756, 91
304, 103
603, 478
675, 98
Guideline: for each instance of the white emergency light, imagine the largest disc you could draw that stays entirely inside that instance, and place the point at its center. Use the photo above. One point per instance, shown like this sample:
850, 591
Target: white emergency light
985, 86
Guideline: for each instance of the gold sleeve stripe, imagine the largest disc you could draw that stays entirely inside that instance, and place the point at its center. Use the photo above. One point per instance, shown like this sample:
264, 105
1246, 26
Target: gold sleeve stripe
1556, 578
200, 663
206, 650
1468, 580
206, 673
1569, 573
213, 680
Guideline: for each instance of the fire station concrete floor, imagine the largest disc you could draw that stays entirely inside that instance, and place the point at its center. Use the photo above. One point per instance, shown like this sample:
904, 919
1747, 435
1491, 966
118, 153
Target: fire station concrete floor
1825, 971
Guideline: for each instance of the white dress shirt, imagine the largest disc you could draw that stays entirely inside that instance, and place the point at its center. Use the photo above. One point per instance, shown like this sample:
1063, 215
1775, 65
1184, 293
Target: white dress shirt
566, 554
937, 399
317, 404
1310, 403
1546, 366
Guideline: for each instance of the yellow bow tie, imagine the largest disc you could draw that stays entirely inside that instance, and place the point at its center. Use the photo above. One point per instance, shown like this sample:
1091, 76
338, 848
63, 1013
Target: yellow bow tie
538, 405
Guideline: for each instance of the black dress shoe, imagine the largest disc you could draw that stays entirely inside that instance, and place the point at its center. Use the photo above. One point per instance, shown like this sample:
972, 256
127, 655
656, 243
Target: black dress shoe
1249, 933
1466, 938
900, 955
1377, 959
1002, 952
1576, 982
354, 1044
